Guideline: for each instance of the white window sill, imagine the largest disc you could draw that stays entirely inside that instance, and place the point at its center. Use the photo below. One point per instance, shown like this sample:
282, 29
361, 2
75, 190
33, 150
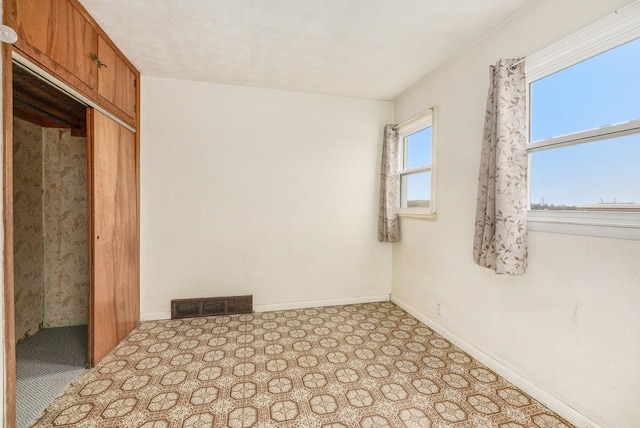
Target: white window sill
587, 223
405, 213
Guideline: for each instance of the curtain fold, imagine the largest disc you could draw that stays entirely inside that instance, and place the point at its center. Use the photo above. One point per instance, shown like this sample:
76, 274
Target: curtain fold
388, 226
500, 241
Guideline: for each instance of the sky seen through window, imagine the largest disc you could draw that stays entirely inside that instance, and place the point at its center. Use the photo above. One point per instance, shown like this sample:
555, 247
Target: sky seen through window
600, 91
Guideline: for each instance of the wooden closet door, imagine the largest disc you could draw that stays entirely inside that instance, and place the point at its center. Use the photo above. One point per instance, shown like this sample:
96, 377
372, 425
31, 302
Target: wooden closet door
115, 279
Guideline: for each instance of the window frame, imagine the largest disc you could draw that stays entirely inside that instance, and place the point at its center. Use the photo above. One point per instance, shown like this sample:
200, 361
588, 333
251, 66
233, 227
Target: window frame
405, 129
614, 30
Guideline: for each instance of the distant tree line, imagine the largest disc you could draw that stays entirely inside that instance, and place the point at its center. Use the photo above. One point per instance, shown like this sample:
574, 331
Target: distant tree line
562, 207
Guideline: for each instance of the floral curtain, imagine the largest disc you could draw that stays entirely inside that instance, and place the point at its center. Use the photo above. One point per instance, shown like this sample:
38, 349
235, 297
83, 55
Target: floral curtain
388, 226
500, 241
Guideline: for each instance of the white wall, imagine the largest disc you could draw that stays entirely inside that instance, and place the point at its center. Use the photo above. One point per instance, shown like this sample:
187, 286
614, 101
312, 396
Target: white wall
256, 191
571, 325
2, 369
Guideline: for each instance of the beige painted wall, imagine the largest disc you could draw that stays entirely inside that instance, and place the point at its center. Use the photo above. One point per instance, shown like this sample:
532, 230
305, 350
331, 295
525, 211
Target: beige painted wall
50, 230
570, 325
257, 191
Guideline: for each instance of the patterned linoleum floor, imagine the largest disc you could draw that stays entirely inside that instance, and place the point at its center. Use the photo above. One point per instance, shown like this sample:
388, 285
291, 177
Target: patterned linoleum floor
369, 365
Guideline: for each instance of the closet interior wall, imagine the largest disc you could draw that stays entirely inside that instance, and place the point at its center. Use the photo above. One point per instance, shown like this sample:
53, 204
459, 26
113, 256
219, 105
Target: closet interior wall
50, 214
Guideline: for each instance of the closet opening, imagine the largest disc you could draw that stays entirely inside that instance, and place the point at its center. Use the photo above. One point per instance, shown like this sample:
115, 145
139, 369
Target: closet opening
50, 234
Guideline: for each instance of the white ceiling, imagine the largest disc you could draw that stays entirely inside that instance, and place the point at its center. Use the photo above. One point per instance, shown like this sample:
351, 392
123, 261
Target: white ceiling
373, 49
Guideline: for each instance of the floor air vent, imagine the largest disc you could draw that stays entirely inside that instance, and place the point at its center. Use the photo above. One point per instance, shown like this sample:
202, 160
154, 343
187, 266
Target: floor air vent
210, 306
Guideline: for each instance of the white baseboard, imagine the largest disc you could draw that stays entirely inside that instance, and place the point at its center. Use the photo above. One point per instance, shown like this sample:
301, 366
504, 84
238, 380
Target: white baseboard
554, 404
319, 303
154, 316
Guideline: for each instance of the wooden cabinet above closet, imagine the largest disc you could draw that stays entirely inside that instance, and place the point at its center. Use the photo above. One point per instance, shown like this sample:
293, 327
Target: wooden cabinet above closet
61, 37
57, 35
116, 81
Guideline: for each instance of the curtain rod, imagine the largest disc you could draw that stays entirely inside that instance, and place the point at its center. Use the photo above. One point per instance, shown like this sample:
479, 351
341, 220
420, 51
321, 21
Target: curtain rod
414, 118
520, 61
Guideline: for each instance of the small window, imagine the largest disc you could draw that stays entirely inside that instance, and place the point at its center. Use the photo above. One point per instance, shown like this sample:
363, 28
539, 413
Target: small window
416, 167
584, 141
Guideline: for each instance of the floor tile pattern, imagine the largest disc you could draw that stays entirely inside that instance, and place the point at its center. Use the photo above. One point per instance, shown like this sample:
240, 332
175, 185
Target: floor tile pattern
369, 366
46, 363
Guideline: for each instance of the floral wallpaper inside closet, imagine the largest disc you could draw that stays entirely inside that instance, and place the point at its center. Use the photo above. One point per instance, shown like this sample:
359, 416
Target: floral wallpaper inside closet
51, 244
27, 228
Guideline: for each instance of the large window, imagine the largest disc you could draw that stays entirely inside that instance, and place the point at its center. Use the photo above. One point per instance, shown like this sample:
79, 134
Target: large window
584, 136
416, 167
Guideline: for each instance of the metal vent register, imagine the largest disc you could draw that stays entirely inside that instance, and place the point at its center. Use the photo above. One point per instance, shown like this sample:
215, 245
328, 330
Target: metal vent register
210, 306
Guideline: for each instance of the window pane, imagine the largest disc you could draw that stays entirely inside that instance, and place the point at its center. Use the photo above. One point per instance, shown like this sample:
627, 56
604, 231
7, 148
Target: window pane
602, 90
415, 190
419, 149
603, 175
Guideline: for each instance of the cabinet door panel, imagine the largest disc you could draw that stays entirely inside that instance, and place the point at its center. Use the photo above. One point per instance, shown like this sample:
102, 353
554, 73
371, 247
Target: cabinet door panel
74, 40
57, 34
115, 295
116, 81
33, 22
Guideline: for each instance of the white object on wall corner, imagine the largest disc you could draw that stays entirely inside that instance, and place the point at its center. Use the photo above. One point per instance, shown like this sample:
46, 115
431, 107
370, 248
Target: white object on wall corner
154, 316
554, 404
8, 34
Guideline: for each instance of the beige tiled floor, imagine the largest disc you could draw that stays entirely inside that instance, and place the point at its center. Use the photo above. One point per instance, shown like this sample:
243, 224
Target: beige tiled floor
369, 365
